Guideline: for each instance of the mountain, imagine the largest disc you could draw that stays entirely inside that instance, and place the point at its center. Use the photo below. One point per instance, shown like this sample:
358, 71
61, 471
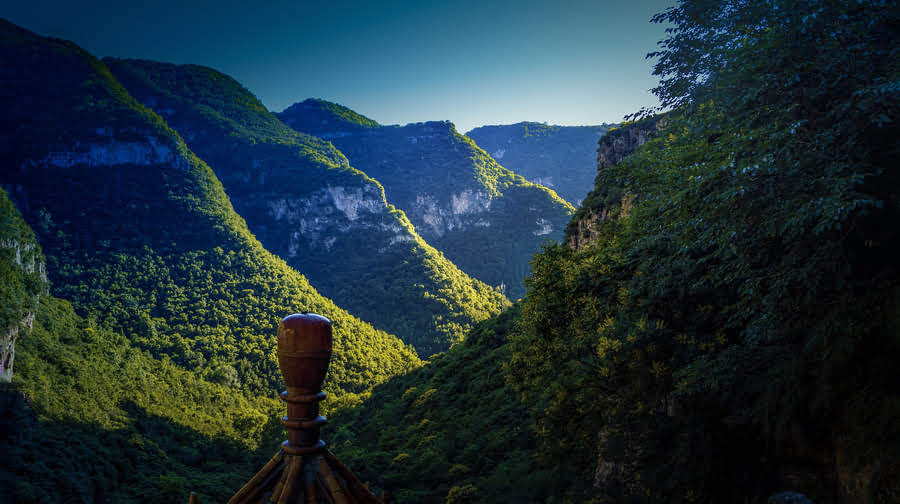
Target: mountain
141, 237
305, 203
562, 158
486, 219
23, 281
133, 427
721, 326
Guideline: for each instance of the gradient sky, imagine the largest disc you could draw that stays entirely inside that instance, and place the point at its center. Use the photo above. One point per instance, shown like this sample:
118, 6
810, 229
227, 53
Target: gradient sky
470, 62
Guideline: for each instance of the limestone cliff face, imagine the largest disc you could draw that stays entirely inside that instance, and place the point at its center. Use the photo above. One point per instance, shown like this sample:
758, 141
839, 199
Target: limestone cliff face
620, 143
482, 216
613, 147
24, 282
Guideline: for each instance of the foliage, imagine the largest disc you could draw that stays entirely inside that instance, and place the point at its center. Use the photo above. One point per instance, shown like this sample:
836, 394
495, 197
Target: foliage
744, 311
324, 118
486, 219
560, 157
618, 142
447, 428
141, 236
91, 418
370, 261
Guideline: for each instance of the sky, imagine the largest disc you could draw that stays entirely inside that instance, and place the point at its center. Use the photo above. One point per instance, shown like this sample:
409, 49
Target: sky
473, 62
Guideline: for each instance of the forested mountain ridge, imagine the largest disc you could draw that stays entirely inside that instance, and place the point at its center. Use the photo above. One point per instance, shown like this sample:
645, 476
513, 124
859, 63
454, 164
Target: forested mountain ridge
486, 219
729, 331
140, 235
133, 427
725, 332
326, 119
306, 204
24, 281
559, 157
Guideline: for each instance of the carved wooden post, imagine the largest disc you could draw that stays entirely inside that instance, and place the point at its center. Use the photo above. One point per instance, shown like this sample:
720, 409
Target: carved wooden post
304, 352
303, 470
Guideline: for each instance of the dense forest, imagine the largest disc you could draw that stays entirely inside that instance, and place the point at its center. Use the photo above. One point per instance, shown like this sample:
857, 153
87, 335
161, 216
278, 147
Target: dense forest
731, 332
485, 218
563, 158
718, 323
89, 417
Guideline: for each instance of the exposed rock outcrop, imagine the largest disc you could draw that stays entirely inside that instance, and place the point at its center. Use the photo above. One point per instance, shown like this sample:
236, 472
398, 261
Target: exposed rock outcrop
616, 145
302, 199
24, 281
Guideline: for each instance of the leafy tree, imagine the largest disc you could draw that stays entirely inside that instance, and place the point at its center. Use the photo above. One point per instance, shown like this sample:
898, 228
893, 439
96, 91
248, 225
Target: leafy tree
742, 310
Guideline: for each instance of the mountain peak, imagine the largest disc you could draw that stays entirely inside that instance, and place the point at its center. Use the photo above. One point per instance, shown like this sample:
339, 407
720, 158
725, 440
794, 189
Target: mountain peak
324, 118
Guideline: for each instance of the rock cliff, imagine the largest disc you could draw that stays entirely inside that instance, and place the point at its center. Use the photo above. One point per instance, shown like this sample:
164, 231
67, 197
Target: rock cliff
486, 219
23, 280
604, 202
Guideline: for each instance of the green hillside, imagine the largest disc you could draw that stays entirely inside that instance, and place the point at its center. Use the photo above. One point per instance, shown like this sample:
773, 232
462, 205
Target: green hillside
89, 417
729, 332
563, 158
306, 204
141, 237
451, 431
486, 219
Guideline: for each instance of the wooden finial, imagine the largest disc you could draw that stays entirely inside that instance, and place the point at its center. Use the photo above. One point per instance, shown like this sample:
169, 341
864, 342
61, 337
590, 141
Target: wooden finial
304, 352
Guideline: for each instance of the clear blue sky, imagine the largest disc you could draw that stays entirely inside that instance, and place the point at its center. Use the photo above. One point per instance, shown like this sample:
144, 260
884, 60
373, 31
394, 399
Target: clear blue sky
472, 62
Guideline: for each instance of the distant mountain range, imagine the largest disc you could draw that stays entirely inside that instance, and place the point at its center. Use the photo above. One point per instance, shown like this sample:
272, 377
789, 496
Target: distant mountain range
485, 218
563, 158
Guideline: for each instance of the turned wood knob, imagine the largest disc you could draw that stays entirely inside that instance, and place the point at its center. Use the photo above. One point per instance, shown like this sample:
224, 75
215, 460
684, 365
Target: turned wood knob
304, 351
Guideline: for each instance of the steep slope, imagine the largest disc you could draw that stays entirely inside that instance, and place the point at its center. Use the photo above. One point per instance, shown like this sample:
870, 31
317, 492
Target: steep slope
328, 120
562, 158
486, 219
89, 417
141, 235
306, 204
451, 431
731, 330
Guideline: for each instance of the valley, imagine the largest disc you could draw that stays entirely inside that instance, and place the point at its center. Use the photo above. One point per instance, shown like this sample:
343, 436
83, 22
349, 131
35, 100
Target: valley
696, 304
